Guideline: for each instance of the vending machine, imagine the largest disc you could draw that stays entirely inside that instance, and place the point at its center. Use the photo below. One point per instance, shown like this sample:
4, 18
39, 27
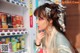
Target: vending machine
17, 26
14, 26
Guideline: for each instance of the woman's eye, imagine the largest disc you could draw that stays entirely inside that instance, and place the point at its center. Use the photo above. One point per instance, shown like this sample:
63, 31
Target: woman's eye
41, 18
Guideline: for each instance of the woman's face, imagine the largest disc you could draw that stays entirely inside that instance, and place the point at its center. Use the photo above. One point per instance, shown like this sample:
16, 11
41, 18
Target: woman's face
42, 23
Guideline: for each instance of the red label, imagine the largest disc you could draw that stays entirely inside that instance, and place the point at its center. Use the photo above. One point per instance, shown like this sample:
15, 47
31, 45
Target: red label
31, 21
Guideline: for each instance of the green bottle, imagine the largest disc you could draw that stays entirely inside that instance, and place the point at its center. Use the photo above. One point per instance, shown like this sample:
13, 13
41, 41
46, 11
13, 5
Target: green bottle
14, 44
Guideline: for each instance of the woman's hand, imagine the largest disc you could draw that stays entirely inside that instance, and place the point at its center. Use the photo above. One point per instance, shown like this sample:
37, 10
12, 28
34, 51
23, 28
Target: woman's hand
39, 37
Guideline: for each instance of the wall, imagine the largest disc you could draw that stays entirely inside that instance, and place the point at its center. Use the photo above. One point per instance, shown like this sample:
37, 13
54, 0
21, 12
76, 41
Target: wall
73, 24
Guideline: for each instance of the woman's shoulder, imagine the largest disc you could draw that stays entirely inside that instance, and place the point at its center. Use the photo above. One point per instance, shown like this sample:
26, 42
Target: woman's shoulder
63, 44
61, 39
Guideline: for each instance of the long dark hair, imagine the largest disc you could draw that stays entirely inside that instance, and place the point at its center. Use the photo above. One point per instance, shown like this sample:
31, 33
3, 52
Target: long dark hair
40, 11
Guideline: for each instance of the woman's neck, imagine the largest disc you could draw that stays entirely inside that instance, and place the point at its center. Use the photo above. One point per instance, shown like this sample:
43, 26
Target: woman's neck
49, 30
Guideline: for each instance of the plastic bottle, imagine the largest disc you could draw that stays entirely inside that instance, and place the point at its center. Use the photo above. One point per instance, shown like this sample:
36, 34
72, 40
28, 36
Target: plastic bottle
7, 40
14, 44
3, 41
4, 21
9, 21
14, 21
9, 43
22, 42
18, 43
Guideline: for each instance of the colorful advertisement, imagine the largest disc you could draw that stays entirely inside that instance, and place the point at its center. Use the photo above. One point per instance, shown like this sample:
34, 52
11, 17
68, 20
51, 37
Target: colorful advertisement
31, 13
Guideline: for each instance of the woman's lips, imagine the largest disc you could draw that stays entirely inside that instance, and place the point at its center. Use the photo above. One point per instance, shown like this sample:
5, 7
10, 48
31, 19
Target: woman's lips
38, 26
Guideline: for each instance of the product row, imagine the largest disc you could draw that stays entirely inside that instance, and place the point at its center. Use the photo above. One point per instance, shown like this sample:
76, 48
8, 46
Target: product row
10, 21
17, 2
12, 44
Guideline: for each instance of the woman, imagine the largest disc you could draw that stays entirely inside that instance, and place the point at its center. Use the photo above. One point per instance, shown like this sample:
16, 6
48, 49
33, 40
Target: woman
50, 37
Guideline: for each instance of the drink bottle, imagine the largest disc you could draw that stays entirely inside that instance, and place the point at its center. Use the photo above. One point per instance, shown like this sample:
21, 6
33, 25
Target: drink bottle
9, 21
